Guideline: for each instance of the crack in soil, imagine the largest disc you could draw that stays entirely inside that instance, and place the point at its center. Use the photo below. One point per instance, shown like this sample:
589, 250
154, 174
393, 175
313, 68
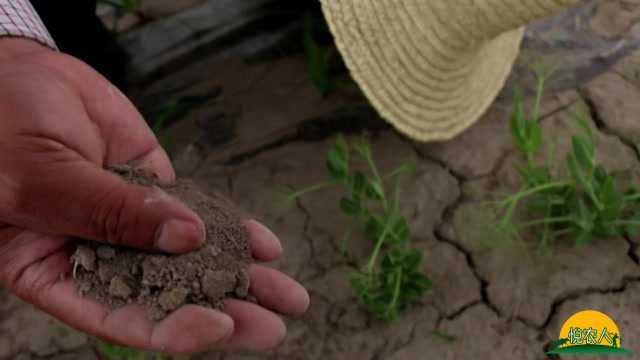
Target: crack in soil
560, 109
377, 353
626, 281
352, 120
484, 284
625, 77
443, 164
633, 250
309, 240
602, 126
544, 329
410, 339
459, 312
450, 209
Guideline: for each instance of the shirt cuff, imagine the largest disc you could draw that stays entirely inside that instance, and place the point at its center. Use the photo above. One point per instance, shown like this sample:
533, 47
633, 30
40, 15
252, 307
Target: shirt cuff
18, 18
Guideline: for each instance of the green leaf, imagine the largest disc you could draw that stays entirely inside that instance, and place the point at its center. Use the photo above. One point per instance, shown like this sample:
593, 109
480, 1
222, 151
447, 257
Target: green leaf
583, 237
317, 59
338, 161
418, 283
444, 336
633, 228
400, 230
534, 176
584, 124
584, 153
412, 260
374, 190
374, 228
390, 261
534, 137
611, 199
577, 173
359, 182
518, 123
584, 217
350, 206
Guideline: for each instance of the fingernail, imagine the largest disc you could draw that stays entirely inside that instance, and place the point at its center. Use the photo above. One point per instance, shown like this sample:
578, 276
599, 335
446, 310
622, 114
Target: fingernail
178, 236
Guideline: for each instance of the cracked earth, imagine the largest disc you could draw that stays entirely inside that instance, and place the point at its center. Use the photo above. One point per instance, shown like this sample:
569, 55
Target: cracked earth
487, 302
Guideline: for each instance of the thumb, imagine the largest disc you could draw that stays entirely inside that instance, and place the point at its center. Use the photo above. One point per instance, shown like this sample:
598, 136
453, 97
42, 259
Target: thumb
101, 206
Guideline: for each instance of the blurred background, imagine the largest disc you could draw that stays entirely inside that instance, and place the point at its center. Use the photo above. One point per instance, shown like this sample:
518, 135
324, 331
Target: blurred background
247, 96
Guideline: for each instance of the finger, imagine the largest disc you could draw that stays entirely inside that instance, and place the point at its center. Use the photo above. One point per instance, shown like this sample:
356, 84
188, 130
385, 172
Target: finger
264, 243
278, 291
191, 329
256, 329
103, 207
34, 268
127, 136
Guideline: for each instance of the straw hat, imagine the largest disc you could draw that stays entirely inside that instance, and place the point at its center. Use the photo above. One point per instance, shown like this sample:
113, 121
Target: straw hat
432, 67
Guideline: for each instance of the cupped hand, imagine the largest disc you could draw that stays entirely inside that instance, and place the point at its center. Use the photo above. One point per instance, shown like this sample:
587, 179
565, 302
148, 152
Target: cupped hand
61, 124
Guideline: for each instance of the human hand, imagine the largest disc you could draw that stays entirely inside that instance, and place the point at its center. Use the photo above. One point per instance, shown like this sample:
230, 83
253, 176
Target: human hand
61, 124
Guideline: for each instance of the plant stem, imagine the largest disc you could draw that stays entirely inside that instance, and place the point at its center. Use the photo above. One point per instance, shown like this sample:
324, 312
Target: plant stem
625, 222
545, 221
399, 170
631, 197
366, 153
396, 289
313, 188
539, 90
545, 234
512, 201
376, 250
530, 159
519, 196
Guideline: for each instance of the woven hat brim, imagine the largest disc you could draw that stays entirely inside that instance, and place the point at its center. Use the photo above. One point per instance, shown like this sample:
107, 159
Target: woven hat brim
427, 85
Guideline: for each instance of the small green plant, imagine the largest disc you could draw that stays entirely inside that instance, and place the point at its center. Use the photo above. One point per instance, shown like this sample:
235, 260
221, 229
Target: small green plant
318, 59
391, 277
584, 205
160, 121
114, 352
173, 110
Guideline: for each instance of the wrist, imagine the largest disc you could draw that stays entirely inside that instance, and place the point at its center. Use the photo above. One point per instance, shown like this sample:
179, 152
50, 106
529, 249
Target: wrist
12, 48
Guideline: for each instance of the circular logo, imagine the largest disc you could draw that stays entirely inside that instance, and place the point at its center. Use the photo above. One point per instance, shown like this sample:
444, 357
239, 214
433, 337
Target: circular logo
589, 332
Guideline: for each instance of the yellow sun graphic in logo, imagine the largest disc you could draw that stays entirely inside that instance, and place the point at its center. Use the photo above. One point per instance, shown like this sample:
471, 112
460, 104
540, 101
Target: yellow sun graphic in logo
589, 332
585, 325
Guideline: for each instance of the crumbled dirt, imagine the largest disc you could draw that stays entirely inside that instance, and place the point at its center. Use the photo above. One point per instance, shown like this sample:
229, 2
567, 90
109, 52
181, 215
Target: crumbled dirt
118, 276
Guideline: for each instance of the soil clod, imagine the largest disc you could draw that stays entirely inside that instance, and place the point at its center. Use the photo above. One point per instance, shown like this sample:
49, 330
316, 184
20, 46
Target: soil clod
117, 276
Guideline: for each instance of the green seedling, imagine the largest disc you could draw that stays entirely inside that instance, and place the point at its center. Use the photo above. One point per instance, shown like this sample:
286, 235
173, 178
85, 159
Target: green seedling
160, 121
171, 111
447, 338
584, 205
391, 278
114, 352
326, 70
318, 59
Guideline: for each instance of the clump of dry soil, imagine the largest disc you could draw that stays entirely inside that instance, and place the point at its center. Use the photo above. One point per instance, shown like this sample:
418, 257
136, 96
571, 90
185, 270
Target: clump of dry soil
117, 276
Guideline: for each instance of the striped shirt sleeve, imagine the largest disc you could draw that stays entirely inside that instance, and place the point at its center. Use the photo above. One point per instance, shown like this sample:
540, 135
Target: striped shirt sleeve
18, 18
